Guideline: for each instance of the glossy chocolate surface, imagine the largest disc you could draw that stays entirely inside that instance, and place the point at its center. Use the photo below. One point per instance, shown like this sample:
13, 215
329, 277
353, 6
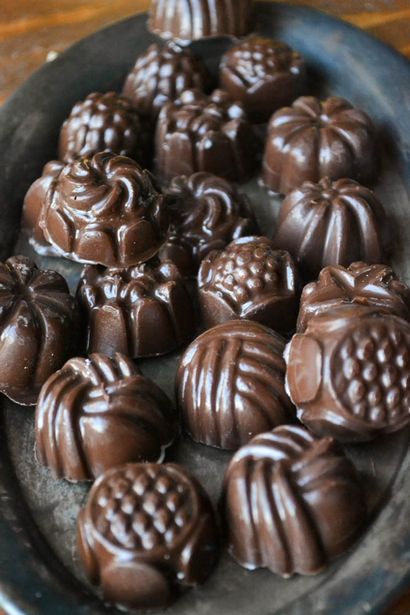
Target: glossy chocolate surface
349, 374
373, 286
230, 384
292, 502
332, 223
200, 133
187, 20
249, 279
38, 326
141, 311
147, 532
206, 213
313, 139
99, 412
105, 210
263, 75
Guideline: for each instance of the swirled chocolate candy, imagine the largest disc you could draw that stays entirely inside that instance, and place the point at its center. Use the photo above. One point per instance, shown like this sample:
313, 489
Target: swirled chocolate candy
373, 286
105, 210
313, 139
38, 327
292, 502
147, 532
141, 311
97, 413
263, 75
187, 20
200, 133
249, 279
331, 223
349, 374
206, 213
230, 384
162, 74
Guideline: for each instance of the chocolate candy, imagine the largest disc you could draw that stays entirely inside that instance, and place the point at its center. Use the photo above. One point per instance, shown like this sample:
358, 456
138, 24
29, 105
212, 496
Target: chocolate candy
206, 213
292, 503
141, 311
103, 122
200, 133
147, 532
313, 139
105, 210
97, 413
187, 20
230, 384
349, 374
373, 286
263, 75
249, 279
38, 326
162, 74
331, 223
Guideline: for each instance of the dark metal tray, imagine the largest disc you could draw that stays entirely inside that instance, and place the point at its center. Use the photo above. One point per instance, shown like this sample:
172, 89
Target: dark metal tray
38, 570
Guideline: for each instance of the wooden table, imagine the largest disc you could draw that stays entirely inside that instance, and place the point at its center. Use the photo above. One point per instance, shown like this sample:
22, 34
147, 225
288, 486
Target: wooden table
33, 30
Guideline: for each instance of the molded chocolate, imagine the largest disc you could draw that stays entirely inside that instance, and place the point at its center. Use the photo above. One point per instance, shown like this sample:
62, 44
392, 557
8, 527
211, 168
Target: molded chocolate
313, 139
147, 532
105, 210
249, 279
292, 502
230, 384
97, 413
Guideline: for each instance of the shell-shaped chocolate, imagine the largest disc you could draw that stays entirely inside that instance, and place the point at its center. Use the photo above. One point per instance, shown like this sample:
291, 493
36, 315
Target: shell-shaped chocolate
292, 502
230, 384
332, 223
349, 374
105, 210
147, 531
313, 139
38, 327
99, 412
187, 20
200, 133
249, 279
161, 74
103, 122
140, 311
360, 284
263, 75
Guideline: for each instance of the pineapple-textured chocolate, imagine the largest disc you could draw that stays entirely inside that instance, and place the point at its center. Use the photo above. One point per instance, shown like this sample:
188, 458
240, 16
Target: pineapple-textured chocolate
147, 532
99, 412
292, 502
231, 384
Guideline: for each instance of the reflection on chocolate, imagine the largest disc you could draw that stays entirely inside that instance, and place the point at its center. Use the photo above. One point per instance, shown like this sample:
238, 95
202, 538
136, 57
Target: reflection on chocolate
38, 325
162, 74
230, 384
331, 223
292, 503
349, 374
141, 311
249, 279
207, 213
97, 413
103, 122
105, 210
263, 75
200, 133
373, 286
187, 20
147, 532
313, 139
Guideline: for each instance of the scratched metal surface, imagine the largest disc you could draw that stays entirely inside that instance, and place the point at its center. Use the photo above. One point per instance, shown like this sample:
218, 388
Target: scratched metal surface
38, 568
